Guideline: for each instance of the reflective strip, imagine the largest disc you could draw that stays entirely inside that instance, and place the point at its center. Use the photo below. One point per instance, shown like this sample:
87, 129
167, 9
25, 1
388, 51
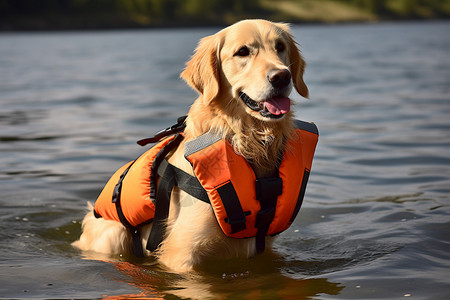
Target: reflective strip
200, 143
306, 126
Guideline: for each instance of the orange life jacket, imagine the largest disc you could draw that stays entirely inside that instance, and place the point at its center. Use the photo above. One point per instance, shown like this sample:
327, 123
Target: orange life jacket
238, 197
131, 182
244, 205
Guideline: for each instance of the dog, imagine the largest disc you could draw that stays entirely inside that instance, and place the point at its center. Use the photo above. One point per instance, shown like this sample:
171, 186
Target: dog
244, 75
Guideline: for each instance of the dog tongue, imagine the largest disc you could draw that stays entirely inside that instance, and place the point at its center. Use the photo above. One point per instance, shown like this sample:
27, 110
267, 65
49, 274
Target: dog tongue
278, 105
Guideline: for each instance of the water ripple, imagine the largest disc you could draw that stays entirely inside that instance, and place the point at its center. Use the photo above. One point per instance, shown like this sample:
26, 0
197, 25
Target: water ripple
376, 210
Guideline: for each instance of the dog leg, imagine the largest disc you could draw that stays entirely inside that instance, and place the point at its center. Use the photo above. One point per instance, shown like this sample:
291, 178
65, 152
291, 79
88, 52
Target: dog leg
189, 237
103, 236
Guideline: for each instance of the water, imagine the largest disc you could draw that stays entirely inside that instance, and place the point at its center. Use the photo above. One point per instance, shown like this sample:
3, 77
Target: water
376, 219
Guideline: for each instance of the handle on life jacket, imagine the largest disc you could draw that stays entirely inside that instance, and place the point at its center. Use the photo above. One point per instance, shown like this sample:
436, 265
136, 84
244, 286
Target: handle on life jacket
179, 127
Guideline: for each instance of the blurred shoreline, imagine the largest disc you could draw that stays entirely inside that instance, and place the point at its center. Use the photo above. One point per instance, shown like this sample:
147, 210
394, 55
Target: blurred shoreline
74, 15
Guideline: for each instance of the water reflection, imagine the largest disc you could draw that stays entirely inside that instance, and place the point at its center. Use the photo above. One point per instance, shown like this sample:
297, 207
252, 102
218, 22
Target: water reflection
250, 279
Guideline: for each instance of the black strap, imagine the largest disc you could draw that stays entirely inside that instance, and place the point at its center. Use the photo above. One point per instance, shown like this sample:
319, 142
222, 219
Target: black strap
162, 204
185, 181
160, 195
233, 208
116, 197
159, 158
267, 192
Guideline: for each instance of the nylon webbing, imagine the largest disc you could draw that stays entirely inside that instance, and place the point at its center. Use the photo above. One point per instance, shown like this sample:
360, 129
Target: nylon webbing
160, 195
267, 192
185, 181
159, 158
161, 211
230, 200
116, 197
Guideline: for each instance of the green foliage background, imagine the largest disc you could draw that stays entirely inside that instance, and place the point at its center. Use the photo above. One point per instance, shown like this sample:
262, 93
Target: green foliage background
104, 14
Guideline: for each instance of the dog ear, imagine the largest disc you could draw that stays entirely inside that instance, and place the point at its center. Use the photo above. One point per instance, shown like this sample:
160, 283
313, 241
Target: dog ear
297, 68
296, 61
202, 71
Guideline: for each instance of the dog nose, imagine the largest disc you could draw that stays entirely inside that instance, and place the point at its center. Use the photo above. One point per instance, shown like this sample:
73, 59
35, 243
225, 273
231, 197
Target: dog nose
279, 78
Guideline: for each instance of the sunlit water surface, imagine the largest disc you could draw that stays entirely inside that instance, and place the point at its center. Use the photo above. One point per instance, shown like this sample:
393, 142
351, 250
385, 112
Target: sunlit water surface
375, 223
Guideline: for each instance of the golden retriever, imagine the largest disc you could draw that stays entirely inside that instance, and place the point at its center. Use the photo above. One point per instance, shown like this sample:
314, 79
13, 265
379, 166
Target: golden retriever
252, 60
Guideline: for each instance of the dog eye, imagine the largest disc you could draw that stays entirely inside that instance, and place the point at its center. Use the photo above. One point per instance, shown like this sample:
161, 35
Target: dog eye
243, 52
280, 47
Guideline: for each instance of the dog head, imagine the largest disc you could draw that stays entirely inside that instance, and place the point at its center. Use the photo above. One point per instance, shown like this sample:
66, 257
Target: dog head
252, 65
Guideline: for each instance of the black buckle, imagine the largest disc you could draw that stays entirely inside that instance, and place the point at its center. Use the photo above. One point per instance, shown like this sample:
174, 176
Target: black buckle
268, 188
236, 224
118, 187
267, 192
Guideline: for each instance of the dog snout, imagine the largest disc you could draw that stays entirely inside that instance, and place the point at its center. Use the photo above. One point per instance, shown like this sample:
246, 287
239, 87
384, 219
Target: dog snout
279, 78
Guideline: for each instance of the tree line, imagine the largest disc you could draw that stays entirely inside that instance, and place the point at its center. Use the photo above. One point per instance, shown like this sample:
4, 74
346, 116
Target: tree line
405, 9
79, 14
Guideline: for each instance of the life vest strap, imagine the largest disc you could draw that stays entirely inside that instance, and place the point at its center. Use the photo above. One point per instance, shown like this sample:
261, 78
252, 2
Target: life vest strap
267, 192
160, 195
232, 205
159, 158
116, 197
162, 205
185, 181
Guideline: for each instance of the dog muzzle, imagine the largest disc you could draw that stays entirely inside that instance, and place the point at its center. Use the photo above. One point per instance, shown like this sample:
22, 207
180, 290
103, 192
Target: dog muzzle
274, 108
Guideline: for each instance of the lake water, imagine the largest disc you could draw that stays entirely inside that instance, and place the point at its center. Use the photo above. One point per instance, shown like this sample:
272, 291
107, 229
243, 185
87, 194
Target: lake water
375, 223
